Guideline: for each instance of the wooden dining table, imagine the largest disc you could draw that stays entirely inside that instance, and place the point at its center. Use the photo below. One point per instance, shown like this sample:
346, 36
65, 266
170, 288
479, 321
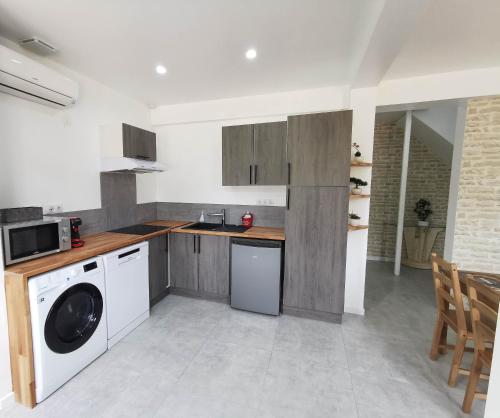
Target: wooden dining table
492, 280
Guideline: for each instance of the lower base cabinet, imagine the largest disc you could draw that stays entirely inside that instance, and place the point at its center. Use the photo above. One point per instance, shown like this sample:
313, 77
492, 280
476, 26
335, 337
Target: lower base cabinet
158, 269
199, 265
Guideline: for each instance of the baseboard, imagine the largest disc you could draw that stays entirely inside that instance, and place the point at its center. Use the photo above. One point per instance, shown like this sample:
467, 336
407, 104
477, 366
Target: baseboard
378, 258
155, 300
353, 310
7, 400
199, 295
309, 314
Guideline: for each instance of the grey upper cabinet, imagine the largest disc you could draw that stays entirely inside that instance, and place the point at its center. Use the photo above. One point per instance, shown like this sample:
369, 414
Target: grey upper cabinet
237, 155
158, 268
184, 261
315, 251
138, 143
319, 149
213, 267
254, 154
269, 153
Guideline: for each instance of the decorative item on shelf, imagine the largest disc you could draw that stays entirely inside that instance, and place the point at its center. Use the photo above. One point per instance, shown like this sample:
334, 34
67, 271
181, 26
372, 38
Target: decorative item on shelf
354, 219
423, 210
357, 183
357, 153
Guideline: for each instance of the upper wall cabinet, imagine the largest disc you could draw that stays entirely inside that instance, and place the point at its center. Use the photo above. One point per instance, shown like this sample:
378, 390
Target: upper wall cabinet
138, 143
254, 154
123, 140
319, 149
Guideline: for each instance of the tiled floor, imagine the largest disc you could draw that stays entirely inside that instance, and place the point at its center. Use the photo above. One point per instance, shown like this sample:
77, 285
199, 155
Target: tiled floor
195, 358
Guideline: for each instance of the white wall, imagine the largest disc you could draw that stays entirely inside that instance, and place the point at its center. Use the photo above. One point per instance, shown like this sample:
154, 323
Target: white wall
5, 376
52, 156
193, 155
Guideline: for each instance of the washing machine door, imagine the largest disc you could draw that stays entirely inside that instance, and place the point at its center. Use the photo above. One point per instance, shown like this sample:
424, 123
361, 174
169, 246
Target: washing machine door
73, 318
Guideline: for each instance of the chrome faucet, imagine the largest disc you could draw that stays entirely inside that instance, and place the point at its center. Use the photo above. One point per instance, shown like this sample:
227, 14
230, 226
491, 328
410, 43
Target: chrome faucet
222, 214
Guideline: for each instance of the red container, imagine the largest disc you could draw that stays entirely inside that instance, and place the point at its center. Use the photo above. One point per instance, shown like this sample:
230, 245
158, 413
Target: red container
247, 219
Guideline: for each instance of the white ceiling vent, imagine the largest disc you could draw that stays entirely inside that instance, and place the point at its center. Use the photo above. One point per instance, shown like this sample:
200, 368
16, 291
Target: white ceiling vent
38, 46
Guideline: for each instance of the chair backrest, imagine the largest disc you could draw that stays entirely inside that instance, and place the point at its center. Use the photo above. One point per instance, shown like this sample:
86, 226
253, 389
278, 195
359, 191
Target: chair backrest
484, 309
448, 292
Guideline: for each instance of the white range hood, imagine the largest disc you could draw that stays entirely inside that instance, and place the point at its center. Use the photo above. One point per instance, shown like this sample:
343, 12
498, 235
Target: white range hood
130, 165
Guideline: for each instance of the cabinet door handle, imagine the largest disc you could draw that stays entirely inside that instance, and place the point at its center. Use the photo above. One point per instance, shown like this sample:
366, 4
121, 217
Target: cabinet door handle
288, 199
194, 244
255, 174
199, 244
250, 173
288, 175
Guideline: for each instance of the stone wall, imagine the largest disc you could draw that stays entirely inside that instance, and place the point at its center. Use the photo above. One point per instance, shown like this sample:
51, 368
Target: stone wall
428, 177
477, 230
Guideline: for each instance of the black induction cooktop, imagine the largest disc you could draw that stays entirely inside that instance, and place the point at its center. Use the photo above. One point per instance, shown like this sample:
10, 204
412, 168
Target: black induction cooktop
139, 229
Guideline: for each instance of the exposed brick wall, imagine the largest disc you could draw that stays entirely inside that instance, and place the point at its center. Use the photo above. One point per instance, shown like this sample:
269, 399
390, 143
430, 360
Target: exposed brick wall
477, 230
428, 177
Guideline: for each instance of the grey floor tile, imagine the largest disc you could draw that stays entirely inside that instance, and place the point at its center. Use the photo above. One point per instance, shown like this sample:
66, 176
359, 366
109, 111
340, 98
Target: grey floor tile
196, 358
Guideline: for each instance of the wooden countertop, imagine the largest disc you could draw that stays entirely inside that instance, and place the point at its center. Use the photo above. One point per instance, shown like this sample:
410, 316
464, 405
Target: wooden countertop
95, 244
258, 232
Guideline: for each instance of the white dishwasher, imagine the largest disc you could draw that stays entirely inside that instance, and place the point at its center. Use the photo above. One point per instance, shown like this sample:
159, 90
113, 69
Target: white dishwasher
126, 275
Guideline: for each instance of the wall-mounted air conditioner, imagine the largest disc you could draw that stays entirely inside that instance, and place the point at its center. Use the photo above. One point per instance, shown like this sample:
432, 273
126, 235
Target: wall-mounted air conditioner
23, 77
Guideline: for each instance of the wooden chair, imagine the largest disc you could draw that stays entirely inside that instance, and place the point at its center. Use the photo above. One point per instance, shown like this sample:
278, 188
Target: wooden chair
484, 311
449, 294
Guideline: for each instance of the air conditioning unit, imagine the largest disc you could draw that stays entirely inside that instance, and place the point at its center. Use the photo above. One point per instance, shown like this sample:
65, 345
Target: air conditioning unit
23, 77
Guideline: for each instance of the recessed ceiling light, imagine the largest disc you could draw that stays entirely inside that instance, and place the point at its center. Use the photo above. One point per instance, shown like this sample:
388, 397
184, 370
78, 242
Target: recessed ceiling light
251, 54
160, 69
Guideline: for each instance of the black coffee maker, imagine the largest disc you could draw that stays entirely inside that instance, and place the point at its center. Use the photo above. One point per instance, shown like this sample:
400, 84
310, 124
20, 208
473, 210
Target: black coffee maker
75, 224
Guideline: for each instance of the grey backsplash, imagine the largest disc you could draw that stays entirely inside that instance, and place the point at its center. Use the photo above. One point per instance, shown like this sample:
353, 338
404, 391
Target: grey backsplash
263, 215
120, 208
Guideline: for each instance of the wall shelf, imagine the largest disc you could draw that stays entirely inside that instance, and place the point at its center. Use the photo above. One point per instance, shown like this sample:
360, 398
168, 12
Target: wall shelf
360, 164
357, 228
359, 196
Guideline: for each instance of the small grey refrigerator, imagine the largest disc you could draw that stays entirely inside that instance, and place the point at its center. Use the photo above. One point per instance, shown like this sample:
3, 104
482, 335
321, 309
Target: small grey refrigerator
256, 275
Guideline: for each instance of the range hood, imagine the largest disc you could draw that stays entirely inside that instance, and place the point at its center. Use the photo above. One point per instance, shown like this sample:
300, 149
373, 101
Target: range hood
130, 165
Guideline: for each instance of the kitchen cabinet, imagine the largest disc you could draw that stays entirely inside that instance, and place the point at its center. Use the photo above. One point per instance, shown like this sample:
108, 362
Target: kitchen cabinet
315, 251
184, 262
158, 269
213, 265
270, 153
237, 155
138, 143
200, 264
254, 154
319, 149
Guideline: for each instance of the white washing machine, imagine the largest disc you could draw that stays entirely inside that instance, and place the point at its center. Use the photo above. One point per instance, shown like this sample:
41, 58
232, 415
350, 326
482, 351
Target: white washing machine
68, 321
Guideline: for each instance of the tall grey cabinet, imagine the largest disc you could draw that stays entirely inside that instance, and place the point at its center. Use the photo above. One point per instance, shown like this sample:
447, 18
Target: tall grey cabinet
254, 154
318, 154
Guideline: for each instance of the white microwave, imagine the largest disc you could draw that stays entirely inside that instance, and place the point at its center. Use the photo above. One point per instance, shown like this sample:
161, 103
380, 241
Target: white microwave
32, 239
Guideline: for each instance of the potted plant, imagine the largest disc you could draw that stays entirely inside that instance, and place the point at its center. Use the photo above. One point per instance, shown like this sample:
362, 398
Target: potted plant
357, 152
357, 183
354, 219
423, 210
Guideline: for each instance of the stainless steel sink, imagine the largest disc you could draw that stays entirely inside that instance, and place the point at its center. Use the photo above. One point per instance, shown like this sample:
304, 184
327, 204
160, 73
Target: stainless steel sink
205, 226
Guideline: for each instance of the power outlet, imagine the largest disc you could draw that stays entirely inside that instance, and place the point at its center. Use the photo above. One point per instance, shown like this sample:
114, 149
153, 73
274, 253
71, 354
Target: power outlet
53, 209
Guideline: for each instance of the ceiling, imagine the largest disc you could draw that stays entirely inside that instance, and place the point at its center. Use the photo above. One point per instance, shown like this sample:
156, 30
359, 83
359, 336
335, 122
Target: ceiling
202, 43
451, 35
300, 44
